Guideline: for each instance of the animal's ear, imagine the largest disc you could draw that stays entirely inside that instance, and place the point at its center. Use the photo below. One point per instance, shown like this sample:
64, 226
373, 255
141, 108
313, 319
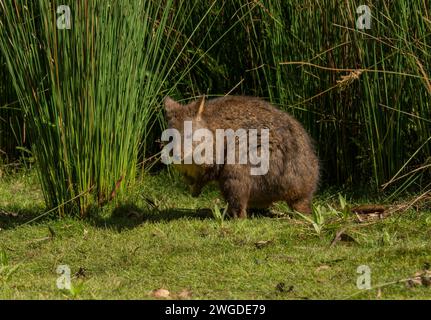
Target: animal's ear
201, 104
171, 106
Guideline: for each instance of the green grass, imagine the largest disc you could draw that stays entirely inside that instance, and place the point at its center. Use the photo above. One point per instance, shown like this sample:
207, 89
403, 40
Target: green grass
160, 237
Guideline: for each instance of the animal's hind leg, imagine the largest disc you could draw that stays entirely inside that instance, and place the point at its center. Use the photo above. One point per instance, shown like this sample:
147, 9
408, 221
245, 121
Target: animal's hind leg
302, 205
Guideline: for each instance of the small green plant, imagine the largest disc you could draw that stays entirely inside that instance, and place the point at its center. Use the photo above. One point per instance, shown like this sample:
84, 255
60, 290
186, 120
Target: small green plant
345, 211
218, 215
319, 212
76, 290
388, 239
317, 219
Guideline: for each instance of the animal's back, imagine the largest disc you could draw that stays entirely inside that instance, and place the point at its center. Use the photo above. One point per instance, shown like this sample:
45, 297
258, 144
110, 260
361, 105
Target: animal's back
244, 112
294, 168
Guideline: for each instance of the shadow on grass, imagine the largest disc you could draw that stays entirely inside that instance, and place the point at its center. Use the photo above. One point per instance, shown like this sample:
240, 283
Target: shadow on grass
129, 216
123, 217
12, 217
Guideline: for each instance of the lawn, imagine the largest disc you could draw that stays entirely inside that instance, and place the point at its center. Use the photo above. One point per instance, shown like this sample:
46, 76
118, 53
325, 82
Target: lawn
159, 237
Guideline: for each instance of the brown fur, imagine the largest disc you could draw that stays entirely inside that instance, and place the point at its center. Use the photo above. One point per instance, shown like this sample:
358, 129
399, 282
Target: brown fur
293, 166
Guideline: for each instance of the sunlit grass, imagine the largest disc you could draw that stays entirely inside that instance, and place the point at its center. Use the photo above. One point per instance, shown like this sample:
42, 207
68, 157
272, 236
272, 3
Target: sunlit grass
166, 239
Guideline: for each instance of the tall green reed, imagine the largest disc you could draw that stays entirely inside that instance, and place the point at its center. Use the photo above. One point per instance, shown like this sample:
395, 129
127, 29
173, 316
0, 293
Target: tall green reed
12, 129
90, 93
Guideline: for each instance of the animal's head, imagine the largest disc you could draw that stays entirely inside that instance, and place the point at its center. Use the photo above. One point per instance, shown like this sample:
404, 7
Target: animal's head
193, 135
177, 114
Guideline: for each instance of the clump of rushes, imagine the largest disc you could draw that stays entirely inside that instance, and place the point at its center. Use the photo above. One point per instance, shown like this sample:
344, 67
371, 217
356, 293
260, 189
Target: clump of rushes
373, 94
364, 95
12, 131
90, 94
